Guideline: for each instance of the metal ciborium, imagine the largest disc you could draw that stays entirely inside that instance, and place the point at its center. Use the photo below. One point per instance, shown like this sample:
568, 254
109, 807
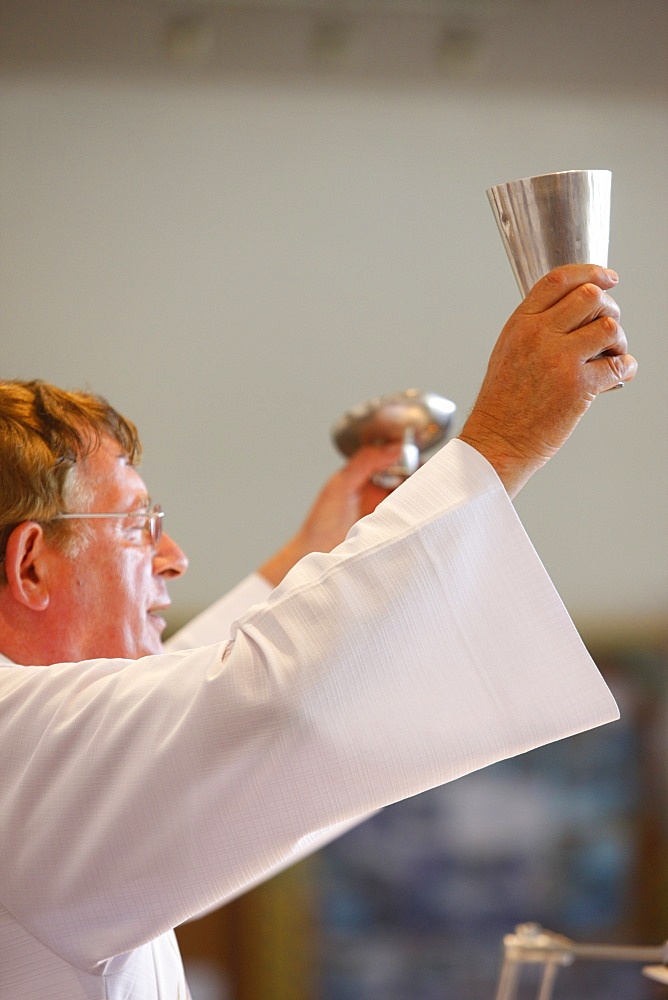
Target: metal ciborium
419, 420
553, 219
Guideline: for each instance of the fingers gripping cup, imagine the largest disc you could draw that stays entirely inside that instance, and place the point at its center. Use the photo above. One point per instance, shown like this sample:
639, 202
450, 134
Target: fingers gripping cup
553, 219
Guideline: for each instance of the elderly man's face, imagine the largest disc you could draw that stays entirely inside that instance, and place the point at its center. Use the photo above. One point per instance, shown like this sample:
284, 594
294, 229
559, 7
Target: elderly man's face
111, 594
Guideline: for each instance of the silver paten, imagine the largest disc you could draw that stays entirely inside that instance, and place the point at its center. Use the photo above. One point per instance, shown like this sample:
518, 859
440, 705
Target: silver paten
419, 420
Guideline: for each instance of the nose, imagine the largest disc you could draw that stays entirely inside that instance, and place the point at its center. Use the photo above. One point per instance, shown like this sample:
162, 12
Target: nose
169, 560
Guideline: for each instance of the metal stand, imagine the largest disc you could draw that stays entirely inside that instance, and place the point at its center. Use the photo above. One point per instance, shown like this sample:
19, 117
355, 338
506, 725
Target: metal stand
531, 945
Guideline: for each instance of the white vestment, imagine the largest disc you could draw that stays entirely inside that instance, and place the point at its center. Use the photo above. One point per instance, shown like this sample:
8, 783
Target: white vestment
134, 795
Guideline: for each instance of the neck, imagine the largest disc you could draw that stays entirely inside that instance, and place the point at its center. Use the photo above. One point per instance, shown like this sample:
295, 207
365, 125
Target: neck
23, 638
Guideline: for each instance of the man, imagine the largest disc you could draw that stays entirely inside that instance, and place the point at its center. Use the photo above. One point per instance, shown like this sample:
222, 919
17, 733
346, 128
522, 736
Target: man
139, 788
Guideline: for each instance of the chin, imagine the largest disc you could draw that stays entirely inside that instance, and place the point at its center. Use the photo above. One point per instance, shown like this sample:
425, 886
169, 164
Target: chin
152, 636
150, 649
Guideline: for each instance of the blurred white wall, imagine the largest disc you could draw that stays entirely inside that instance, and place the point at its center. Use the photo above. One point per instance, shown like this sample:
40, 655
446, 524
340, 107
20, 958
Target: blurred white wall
236, 227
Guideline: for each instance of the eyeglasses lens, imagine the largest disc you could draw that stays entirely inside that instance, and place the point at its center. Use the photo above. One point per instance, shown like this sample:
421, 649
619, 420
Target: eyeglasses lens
155, 523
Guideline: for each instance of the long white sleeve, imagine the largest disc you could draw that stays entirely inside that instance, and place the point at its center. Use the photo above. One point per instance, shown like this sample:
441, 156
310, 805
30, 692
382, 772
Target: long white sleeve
429, 644
215, 622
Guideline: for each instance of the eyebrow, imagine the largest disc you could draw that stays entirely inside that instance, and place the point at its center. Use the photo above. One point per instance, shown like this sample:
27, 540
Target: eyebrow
141, 501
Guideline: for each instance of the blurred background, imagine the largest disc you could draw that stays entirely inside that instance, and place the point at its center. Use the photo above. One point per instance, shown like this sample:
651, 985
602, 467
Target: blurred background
237, 220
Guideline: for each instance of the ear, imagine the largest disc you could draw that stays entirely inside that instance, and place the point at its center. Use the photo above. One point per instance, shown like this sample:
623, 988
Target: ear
25, 566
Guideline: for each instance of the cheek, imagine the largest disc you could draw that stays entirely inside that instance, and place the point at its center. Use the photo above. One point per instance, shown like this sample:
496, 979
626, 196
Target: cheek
122, 611
119, 584
133, 581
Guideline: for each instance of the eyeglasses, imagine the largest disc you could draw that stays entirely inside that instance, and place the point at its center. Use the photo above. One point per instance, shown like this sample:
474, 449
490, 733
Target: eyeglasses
152, 518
